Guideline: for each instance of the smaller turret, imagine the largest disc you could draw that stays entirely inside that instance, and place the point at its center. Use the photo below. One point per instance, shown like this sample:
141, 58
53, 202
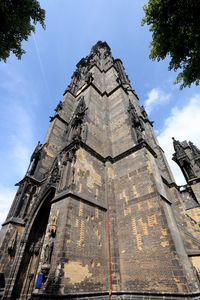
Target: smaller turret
187, 156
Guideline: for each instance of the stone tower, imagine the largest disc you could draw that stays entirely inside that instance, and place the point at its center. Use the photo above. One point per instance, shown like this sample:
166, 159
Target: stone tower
98, 214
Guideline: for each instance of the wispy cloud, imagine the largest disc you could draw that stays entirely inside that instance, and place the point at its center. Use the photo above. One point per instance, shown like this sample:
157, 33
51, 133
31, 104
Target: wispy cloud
155, 98
21, 138
6, 197
16, 120
41, 64
183, 124
17, 125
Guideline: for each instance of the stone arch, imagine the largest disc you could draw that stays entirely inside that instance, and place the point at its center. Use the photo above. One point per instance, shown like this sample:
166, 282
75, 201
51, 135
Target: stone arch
29, 249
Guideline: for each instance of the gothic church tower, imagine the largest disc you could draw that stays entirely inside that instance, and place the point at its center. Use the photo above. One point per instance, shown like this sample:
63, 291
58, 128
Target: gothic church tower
98, 214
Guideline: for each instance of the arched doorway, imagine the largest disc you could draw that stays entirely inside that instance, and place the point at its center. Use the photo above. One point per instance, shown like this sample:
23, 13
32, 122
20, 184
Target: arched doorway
24, 283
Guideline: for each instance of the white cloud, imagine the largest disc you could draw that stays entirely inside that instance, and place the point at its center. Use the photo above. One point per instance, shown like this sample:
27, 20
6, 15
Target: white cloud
17, 121
183, 124
15, 160
156, 97
21, 138
17, 128
6, 197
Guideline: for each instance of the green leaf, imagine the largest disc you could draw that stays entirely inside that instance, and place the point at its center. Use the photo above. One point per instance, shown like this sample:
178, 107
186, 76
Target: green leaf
175, 27
16, 24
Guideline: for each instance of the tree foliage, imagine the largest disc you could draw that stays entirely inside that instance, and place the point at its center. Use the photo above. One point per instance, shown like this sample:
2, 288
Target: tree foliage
175, 27
17, 20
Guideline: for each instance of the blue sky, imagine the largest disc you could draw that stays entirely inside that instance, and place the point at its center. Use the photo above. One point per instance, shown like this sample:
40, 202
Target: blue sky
30, 88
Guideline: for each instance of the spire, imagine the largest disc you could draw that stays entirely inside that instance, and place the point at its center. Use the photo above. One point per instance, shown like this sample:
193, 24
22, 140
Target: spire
195, 150
101, 57
100, 45
183, 158
179, 150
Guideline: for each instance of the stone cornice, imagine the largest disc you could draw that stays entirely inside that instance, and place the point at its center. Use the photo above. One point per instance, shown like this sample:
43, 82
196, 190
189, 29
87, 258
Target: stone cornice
138, 294
193, 181
83, 88
68, 193
31, 179
14, 220
189, 234
126, 90
169, 184
57, 116
142, 144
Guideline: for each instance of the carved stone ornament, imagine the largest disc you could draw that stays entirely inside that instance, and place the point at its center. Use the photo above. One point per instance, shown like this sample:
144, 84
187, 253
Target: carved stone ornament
48, 253
78, 119
135, 121
34, 248
139, 134
99, 45
45, 269
12, 244
84, 133
122, 77
59, 107
144, 113
187, 168
76, 77
89, 78
37, 248
55, 174
81, 108
195, 150
179, 151
38, 148
53, 226
106, 54
71, 154
31, 248
35, 158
